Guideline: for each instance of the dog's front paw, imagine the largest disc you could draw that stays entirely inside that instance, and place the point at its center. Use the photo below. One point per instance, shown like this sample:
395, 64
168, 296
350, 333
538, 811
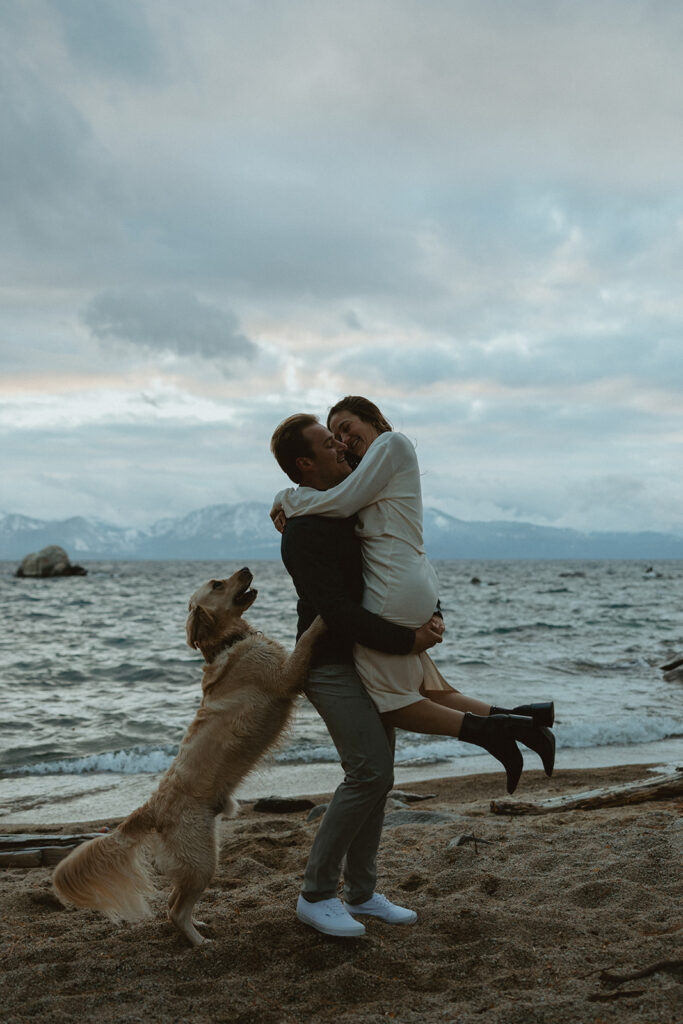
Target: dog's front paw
316, 628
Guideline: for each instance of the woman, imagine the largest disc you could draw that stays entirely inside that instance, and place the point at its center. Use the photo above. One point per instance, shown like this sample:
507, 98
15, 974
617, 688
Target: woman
401, 585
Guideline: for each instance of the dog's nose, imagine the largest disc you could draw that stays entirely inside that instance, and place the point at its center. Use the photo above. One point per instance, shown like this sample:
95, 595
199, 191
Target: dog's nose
245, 572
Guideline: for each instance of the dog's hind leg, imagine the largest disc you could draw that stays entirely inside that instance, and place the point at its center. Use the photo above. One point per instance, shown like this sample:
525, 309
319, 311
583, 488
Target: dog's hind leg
190, 875
173, 903
173, 898
183, 900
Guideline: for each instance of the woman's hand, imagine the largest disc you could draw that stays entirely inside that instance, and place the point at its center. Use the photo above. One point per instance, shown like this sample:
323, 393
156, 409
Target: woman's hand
437, 623
278, 517
428, 635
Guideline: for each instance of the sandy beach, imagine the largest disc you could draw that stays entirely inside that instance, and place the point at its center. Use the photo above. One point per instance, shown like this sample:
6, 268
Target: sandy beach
532, 918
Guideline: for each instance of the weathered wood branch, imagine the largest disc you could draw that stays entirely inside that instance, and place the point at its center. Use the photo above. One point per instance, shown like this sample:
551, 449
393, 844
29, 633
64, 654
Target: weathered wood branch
25, 850
644, 972
665, 787
606, 997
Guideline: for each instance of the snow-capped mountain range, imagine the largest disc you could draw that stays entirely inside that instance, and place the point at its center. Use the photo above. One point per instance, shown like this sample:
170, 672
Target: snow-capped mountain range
244, 531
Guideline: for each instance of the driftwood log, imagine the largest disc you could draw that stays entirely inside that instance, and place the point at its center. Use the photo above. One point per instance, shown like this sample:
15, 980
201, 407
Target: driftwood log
609, 977
671, 966
662, 787
34, 851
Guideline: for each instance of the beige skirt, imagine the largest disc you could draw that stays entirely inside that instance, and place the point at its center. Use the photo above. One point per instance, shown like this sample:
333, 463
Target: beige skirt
394, 680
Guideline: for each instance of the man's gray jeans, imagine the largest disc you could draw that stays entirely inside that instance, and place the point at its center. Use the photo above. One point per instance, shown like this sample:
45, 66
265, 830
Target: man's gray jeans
350, 831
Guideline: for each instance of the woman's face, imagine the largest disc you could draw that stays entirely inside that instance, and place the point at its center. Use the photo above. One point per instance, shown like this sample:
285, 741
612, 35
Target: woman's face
352, 431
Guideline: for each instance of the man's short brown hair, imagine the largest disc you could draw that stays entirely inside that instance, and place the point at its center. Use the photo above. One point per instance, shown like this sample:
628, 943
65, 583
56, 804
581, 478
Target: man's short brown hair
289, 444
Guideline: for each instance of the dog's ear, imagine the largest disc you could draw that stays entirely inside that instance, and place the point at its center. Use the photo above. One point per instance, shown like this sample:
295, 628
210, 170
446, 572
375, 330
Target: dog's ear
200, 626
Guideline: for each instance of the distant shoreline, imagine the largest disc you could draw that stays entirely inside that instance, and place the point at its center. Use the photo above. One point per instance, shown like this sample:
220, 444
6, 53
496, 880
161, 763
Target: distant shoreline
244, 531
465, 560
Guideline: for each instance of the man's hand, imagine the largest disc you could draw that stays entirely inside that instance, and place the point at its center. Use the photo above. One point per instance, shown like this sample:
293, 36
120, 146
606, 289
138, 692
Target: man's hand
278, 517
428, 635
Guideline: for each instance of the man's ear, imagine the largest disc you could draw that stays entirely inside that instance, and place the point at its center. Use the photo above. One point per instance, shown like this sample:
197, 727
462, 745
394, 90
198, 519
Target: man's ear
303, 463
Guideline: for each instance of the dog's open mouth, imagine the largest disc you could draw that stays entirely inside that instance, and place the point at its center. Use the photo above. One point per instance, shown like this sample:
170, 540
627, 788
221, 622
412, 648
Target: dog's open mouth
246, 595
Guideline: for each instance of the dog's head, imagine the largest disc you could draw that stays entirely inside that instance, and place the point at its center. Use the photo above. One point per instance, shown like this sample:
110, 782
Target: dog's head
216, 608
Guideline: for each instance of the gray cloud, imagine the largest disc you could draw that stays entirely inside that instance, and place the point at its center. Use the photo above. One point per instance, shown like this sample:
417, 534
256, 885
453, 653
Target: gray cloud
556, 364
471, 89
46, 143
282, 152
172, 320
80, 472
109, 36
61, 205
472, 211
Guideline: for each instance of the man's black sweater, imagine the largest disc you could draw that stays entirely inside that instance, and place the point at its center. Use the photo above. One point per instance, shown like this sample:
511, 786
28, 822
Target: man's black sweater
323, 557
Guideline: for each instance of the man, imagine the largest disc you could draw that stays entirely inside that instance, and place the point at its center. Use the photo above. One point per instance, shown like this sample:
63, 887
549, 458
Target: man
323, 557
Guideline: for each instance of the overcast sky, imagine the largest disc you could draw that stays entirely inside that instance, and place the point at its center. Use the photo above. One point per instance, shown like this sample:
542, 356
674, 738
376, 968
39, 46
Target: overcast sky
216, 214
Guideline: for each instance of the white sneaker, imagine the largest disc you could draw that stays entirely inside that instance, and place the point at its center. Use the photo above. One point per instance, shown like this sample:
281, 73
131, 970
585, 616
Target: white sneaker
329, 917
379, 906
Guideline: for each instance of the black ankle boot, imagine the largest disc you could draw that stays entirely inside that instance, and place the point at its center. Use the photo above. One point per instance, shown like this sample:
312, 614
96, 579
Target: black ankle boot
494, 733
542, 713
537, 738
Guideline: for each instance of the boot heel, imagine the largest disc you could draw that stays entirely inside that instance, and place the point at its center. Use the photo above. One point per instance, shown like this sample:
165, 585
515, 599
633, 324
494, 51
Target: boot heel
536, 738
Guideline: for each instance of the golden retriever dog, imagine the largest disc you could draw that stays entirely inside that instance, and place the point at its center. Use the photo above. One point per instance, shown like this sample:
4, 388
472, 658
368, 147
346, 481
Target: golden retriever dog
249, 685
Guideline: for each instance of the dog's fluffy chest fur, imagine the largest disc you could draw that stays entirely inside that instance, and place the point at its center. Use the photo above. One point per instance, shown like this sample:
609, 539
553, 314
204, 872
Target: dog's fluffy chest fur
244, 709
253, 662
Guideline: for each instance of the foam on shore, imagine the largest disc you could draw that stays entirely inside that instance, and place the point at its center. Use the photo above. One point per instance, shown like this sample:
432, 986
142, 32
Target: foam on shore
53, 799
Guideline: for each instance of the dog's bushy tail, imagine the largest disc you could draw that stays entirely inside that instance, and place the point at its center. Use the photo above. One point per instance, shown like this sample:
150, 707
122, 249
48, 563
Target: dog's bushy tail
112, 872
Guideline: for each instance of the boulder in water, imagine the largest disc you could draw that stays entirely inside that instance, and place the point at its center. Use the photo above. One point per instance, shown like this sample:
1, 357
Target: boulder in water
673, 671
50, 561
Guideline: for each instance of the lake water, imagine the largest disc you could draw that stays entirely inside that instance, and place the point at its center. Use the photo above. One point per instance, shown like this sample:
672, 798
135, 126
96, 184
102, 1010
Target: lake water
97, 685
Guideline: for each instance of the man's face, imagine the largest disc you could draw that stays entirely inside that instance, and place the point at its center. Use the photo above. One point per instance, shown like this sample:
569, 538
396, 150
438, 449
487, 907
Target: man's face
327, 465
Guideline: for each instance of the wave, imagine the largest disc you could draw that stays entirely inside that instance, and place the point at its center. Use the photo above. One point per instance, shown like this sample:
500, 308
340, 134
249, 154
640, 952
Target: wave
626, 732
410, 751
526, 627
137, 761
586, 667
